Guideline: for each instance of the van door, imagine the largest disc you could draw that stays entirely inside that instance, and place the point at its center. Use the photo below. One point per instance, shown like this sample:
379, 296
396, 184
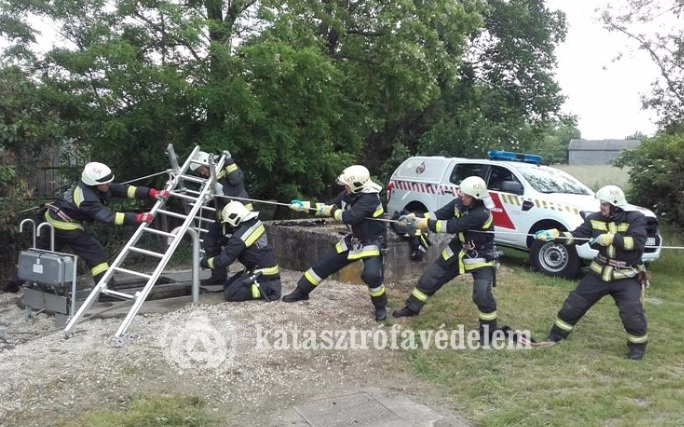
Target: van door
508, 205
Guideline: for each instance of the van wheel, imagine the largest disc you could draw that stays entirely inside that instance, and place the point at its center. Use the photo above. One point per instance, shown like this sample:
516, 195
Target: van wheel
554, 259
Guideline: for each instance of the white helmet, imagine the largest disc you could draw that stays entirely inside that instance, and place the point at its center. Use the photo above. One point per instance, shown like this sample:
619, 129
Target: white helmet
356, 177
612, 194
201, 158
235, 212
474, 186
96, 173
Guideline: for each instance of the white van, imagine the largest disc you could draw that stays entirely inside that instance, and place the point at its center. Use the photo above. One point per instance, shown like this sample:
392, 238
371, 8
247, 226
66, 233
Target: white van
528, 197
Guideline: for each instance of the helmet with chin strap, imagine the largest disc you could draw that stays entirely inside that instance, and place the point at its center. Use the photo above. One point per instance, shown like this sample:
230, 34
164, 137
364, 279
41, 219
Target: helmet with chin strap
96, 173
474, 186
234, 213
613, 195
356, 177
201, 158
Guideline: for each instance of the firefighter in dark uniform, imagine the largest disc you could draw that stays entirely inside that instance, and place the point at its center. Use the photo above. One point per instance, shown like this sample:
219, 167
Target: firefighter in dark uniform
86, 202
619, 235
230, 183
355, 207
243, 238
470, 251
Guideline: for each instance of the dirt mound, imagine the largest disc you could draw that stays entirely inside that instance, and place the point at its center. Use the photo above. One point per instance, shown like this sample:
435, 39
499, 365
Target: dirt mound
248, 360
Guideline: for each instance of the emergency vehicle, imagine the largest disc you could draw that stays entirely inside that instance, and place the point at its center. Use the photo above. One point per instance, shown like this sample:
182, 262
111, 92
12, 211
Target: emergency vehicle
527, 196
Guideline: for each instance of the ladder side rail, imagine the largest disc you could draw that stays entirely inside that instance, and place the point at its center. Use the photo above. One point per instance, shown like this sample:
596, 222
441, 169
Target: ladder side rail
142, 295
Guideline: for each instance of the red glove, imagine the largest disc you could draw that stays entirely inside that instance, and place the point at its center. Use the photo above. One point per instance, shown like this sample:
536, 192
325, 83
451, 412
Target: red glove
144, 217
158, 194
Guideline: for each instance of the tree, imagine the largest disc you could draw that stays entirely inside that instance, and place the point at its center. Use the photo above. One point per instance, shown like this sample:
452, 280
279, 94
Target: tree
656, 28
506, 95
554, 146
296, 90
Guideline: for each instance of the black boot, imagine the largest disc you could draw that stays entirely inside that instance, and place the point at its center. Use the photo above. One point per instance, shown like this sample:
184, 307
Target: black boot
380, 304
296, 295
11, 287
486, 332
404, 312
214, 280
636, 351
417, 253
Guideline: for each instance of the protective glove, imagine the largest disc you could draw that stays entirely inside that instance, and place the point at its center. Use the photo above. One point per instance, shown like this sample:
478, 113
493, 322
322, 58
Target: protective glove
143, 217
300, 206
158, 194
605, 239
207, 263
547, 235
324, 210
227, 154
416, 224
218, 189
407, 218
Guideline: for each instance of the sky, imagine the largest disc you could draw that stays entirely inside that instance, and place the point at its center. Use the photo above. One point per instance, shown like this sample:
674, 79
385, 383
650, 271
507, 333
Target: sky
604, 94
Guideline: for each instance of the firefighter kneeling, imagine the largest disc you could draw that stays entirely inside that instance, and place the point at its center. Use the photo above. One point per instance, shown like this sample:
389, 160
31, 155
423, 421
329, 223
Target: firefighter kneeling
243, 238
619, 234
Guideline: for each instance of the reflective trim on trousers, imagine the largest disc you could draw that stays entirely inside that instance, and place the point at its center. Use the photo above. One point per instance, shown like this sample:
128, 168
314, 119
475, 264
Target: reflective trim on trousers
312, 277
563, 325
376, 292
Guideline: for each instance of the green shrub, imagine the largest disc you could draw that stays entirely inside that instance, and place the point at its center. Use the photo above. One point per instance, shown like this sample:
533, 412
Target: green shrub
657, 175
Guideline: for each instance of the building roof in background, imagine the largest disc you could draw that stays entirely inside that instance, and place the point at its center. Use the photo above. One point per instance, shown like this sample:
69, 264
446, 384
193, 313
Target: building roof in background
603, 144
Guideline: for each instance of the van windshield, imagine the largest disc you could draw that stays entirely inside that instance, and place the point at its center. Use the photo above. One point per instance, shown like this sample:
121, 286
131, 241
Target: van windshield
550, 180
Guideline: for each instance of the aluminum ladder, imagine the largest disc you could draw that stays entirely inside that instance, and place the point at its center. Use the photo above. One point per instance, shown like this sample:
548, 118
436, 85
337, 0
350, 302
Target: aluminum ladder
194, 201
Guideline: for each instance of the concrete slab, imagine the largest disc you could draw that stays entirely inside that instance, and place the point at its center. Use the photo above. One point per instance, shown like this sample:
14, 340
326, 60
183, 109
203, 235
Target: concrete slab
366, 408
181, 279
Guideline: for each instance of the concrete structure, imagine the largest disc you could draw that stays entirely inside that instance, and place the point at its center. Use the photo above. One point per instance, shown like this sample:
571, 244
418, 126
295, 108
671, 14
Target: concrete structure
597, 152
298, 244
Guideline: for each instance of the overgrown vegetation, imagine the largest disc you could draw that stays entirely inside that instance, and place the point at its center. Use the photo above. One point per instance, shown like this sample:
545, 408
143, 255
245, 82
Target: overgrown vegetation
151, 411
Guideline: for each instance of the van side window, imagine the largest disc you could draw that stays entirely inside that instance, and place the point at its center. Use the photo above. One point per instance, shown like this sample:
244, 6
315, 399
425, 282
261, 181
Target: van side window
464, 170
499, 175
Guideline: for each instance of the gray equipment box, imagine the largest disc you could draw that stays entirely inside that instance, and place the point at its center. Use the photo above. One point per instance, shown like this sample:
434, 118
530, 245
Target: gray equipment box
36, 265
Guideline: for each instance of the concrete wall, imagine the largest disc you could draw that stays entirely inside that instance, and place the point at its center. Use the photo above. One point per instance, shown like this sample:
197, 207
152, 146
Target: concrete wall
299, 243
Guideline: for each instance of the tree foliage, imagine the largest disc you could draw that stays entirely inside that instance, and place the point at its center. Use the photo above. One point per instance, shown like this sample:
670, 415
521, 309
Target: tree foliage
296, 90
656, 27
657, 175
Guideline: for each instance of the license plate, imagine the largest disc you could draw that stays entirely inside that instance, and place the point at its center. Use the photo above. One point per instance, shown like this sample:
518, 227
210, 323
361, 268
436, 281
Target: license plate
650, 241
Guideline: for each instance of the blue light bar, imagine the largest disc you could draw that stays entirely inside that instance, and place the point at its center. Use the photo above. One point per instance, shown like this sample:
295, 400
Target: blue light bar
514, 157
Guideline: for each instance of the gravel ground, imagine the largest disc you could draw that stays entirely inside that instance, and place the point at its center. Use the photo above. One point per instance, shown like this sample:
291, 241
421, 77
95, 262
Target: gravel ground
227, 353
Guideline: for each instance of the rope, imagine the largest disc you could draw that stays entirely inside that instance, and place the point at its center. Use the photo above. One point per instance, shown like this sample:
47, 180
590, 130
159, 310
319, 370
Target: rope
576, 238
269, 202
147, 176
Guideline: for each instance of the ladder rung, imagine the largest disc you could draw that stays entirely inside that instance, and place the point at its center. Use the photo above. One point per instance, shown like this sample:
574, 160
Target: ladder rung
173, 214
192, 178
134, 273
184, 197
118, 294
146, 252
159, 232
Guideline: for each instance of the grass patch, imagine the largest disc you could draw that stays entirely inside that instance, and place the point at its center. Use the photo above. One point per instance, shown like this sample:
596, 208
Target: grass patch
596, 176
151, 411
585, 380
